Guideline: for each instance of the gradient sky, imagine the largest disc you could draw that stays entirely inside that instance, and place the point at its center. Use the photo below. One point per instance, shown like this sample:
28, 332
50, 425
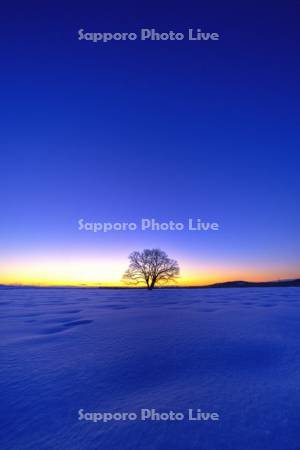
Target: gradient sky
170, 130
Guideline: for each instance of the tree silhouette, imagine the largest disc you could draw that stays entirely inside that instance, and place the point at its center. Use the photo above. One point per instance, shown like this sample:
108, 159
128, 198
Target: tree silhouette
151, 267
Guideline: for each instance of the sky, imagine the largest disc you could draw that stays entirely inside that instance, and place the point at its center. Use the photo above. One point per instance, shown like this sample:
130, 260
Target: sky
170, 130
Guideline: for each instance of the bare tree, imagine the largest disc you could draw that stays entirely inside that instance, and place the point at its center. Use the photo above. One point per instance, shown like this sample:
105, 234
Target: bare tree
151, 267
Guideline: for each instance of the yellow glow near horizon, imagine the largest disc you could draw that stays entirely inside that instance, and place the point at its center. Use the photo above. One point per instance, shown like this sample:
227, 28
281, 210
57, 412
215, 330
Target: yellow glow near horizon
108, 272
68, 272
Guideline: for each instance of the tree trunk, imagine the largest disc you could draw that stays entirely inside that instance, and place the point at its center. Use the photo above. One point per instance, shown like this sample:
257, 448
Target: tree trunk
147, 282
152, 283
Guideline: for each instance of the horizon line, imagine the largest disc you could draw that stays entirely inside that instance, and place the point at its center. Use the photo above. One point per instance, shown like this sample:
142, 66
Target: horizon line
171, 286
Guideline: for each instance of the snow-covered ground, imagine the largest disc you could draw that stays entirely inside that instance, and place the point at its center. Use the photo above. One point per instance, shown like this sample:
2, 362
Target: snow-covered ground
235, 352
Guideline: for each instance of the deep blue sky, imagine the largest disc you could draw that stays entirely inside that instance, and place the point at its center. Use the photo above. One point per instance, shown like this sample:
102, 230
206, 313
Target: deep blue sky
170, 130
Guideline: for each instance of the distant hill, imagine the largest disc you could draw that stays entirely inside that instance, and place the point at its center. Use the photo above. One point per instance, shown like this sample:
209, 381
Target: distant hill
242, 284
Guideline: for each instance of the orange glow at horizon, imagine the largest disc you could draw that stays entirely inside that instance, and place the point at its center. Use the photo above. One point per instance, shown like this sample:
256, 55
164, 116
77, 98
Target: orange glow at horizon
108, 272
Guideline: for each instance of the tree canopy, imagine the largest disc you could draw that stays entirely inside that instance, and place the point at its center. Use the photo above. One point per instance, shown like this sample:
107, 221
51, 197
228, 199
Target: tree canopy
151, 267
